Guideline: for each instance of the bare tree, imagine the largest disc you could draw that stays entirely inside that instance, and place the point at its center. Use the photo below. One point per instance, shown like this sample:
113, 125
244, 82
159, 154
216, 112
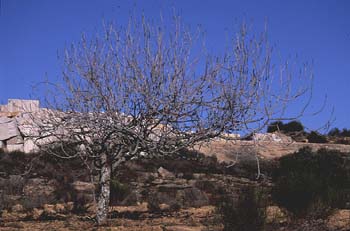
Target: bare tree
151, 90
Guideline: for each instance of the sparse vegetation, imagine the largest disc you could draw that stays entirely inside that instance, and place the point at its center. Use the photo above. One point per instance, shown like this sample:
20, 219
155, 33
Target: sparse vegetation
247, 214
309, 184
312, 183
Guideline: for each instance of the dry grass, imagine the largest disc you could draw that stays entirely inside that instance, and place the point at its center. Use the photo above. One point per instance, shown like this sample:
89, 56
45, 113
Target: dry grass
191, 219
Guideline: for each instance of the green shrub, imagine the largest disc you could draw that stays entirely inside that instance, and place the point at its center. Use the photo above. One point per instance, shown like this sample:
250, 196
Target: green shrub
118, 191
249, 213
275, 126
312, 183
315, 137
292, 126
336, 132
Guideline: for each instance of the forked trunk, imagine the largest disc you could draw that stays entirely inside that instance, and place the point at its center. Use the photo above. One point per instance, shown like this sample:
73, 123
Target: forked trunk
103, 198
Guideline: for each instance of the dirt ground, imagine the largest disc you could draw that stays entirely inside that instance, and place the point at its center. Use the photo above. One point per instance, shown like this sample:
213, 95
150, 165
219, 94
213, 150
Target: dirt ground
122, 219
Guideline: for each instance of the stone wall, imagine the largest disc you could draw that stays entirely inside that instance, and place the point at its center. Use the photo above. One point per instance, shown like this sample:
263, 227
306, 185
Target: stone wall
15, 122
21, 105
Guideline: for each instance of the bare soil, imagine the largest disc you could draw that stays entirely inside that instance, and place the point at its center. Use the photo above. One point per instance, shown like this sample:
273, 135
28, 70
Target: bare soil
131, 219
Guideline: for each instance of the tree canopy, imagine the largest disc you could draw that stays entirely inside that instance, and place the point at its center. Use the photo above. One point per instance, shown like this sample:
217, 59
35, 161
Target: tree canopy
147, 89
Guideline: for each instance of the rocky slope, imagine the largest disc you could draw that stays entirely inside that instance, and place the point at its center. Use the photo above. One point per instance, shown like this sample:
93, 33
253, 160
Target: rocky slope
164, 194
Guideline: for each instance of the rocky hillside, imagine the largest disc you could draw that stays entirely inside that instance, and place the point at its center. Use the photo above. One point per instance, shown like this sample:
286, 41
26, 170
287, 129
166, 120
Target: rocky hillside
189, 191
233, 151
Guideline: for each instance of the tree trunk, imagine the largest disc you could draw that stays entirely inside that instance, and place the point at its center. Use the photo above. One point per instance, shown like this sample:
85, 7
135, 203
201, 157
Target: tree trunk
103, 198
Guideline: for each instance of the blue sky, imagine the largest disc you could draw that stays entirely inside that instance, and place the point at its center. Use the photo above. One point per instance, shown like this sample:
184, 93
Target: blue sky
32, 32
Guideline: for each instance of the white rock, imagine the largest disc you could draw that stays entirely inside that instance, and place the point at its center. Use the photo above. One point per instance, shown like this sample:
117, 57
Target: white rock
14, 147
29, 146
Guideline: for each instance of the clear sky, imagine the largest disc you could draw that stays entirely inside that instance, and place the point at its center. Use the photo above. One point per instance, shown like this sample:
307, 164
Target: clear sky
32, 32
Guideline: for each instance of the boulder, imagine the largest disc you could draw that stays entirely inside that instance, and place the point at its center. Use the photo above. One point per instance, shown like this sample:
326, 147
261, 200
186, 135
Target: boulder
165, 173
36, 213
17, 208
49, 209
60, 208
8, 128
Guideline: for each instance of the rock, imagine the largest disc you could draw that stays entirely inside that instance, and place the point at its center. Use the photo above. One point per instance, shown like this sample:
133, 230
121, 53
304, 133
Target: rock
17, 208
69, 206
6, 216
14, 148
339, 220
164, 207
36, 213
29, 146
172, 186
60, 208
198, 176
158, 181
15, 140
147, 177
275, 215
91, 208
165, 173
192, 197
8, 128
183, 228
14, 216
82, 186
276, 137
22, 105
84, 192
49, 209
141, 207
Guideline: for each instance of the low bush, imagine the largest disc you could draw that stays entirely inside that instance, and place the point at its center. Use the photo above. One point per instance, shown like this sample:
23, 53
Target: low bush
249, 213
311, 183
118, 191
315, 137
339, 133
293, 126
